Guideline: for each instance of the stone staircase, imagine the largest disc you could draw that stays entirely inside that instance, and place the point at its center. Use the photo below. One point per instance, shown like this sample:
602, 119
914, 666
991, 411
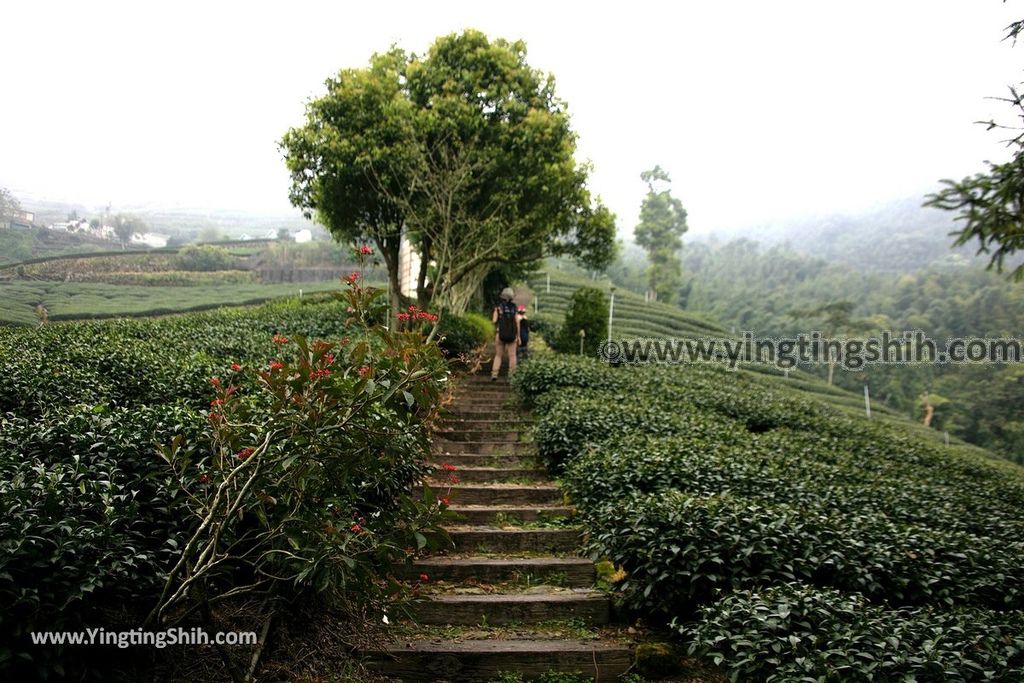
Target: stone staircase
513, 595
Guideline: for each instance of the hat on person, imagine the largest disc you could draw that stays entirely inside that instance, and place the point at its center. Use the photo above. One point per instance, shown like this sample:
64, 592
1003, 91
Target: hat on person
522, 308
507, 294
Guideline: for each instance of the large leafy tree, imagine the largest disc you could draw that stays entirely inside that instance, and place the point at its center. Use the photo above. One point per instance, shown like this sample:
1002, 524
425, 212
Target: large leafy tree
126, 225
9, 205
991, 204
660, 231
466, 148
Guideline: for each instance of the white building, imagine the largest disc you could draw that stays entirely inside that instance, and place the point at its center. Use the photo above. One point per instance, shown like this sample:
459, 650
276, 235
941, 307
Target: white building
150, 239
408, 268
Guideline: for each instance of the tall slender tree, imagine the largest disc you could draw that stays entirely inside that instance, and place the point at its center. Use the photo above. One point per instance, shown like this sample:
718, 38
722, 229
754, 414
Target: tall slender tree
662, 225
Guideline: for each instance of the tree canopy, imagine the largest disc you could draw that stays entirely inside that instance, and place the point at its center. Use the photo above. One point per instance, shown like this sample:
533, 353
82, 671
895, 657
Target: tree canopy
467, 148
9, 205
991, 203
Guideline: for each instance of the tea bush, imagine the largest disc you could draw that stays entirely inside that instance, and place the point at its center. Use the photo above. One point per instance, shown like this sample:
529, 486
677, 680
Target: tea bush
460, 335
712, 489
121, 441
793, 632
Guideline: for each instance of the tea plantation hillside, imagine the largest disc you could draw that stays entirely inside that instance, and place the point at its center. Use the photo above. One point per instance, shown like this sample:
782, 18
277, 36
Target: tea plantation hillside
780, 537
633, 316
122, 441
636, 318
85, 286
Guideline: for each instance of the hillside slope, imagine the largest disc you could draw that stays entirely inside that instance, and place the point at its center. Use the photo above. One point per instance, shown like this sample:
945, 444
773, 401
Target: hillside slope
635, 318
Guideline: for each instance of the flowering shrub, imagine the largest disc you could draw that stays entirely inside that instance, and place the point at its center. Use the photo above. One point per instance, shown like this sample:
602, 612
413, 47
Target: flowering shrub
92, 520
307, 484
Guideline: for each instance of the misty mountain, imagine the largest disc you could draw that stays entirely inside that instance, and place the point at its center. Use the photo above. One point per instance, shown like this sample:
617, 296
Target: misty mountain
896, 237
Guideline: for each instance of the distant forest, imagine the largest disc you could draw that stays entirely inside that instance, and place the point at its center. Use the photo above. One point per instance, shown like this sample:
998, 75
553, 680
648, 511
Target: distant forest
899, 275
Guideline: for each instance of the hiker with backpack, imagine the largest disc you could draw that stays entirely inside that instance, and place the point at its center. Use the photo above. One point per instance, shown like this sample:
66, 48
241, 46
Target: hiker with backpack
522, 353
506, 339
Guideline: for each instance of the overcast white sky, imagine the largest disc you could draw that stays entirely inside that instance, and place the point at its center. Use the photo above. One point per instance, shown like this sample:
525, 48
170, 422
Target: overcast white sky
759, 110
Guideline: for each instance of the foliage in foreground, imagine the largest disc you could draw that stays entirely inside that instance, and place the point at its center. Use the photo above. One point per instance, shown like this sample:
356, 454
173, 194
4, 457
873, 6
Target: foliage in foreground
712, 489
285, 468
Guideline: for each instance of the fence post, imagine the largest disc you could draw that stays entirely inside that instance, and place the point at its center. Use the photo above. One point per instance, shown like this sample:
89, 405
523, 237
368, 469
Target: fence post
611, 312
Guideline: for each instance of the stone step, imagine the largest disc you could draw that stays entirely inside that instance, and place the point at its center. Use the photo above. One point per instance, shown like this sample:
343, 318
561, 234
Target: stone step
484, 660
505, 514
442, 446
489, 460
501, 494
488, 424
475, 395
489, 414
506, 608
482, 539
496, 474
478, 399
506, 410
463, 434
570, 571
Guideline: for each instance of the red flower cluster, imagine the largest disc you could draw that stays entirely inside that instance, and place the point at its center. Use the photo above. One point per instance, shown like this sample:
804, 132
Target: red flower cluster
236, 367
365, 371
365, 250
244, 453
424, 577
203, 479
217, 402
413, 314
448, 467
444, 501
280, 339
356, 528
215, 381
351, 277
329, 359
276, 365
320, 374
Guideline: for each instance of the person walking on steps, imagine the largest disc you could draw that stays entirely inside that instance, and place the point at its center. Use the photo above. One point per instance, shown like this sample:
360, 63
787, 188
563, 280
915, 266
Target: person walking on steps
522, 353
506, 338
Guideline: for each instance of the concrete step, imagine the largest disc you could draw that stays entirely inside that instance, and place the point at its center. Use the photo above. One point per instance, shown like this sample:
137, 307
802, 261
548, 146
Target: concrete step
488, 424
506, 608
504, 514
470, 394
442, 446
482, 539
484, 660
461, 460
489, 414
496, 474
502, 494
463, 434
570, 571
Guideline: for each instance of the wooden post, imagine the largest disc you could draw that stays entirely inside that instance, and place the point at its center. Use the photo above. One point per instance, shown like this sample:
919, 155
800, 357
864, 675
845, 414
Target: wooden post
611, 312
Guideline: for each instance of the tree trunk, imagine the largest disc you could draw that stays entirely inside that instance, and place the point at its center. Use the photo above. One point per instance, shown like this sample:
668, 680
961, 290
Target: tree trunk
421, 278
389, 247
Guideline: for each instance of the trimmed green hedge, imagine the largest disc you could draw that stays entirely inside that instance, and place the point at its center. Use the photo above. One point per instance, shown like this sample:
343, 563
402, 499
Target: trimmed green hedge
700, 482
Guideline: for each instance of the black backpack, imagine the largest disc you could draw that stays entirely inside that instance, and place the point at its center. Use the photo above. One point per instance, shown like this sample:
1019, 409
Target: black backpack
507, 322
